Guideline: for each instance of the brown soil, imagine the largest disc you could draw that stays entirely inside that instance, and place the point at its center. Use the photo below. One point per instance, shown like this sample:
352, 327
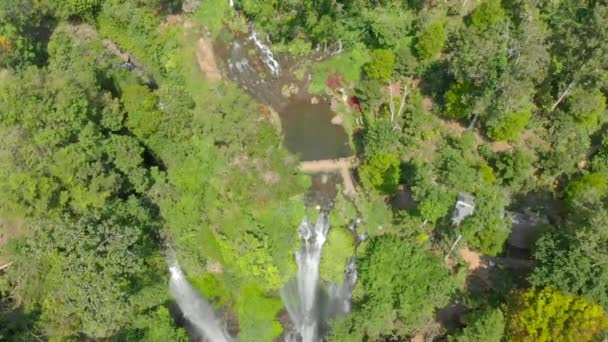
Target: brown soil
427, 103
472, 258
206, 60
501, 146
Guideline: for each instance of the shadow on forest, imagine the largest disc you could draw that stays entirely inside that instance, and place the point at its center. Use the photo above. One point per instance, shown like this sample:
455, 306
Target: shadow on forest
15, 323
492, 279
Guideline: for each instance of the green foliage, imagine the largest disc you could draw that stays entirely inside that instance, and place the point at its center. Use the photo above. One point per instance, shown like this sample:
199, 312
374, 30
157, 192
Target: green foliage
515, 168
431, 40
381, 172
590, 185
566, 264
434, 203
140, 103
90, 274
587, 106
66, 9
375, 213
457, 102
379, 137
258, 315
346, 67
340, 246
212, 286
380, 66
510, 127
389, 302
487, 15
157, 327
488, 228
487, 326
548, 315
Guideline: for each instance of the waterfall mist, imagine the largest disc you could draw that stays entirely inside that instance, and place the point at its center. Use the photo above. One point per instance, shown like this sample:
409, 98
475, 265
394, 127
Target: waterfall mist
309, 305
196, 309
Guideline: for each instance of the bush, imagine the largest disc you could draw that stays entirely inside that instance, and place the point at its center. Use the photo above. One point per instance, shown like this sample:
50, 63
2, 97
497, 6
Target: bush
457, 101
338, 249
587, 106
379, 137
431, 40
487, 14
381, 172
487, 326
593, 184
510, 127
381, 65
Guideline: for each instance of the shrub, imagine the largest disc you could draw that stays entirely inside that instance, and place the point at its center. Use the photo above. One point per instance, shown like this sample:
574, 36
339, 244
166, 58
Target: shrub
431, 40
381, 65
381, 172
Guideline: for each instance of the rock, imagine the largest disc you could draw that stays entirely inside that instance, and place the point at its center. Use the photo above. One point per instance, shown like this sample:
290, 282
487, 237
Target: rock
189, 6
289, 90
314, 100
337, 120
334, 104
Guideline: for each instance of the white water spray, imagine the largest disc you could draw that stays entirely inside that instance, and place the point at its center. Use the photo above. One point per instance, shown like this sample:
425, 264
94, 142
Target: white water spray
266, 53
195, 308
303, 299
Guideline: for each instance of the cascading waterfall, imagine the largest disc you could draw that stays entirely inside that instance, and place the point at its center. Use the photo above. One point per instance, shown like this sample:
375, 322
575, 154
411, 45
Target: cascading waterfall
195, 308
266, 53
302, 297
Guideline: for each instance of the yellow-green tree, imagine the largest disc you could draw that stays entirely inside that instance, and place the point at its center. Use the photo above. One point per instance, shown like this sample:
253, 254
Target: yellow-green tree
549, 315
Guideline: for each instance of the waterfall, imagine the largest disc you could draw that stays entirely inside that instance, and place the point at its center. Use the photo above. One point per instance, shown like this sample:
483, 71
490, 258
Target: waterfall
195, 308
302, 297
266, 53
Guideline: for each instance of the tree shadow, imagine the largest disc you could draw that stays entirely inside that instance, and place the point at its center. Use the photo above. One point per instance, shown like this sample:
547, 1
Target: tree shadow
435, 81
16, 324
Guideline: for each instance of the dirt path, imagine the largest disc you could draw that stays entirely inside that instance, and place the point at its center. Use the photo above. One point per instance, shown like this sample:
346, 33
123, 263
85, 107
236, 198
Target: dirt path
341, 165
206, 60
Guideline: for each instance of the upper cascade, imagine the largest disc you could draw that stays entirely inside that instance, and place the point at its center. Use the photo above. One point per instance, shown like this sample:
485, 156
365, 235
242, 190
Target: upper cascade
266, 53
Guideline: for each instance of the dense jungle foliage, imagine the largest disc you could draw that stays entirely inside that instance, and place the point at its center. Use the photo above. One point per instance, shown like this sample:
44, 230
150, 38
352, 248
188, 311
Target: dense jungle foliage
107, 164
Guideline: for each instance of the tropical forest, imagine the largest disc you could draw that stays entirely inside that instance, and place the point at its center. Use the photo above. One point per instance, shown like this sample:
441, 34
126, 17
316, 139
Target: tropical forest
304, 170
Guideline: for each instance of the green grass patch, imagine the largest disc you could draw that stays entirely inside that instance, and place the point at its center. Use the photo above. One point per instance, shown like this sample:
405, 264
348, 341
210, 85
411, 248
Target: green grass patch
347, 65
340, 246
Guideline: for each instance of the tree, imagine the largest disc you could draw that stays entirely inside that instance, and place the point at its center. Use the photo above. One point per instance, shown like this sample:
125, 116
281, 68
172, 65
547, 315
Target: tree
488, 228
66, 9
488, 14
90, 274
387, 299
514, 169
381, 65
587, 106
510, 127
431, 40
564, 264
381, 172
548, 315
590, 185
488, 325
458, 102
379, 137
